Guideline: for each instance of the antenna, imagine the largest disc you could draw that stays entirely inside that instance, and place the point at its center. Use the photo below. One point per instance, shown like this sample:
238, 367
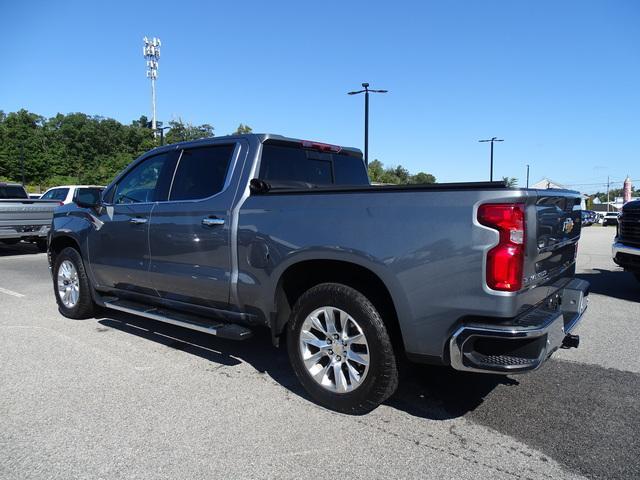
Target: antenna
151, 53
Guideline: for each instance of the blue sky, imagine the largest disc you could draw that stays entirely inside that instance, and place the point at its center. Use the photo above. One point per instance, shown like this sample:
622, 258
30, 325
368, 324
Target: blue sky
559, 81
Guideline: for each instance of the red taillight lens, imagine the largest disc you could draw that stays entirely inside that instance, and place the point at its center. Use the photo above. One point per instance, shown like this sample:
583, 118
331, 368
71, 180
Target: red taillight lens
505, 261
323, 147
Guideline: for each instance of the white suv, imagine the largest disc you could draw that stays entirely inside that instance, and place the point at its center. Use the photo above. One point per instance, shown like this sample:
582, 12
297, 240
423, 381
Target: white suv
65, 193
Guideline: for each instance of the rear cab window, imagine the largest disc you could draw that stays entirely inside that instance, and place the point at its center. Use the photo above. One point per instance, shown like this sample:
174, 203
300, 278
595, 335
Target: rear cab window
12, 191
292, 163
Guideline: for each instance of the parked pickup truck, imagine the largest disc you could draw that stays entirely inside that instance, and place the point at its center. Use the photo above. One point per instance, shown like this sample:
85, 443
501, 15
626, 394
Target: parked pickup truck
22, 218
229, 234
626, 246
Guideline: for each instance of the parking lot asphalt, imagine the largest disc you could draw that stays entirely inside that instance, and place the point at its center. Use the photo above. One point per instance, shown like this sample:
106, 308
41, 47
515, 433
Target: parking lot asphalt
124, 397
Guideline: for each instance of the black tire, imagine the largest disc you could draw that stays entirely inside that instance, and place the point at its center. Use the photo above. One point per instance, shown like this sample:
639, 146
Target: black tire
381, 380
85, 307
42, 244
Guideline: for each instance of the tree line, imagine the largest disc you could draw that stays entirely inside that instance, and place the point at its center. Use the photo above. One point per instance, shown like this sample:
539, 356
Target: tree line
77, 148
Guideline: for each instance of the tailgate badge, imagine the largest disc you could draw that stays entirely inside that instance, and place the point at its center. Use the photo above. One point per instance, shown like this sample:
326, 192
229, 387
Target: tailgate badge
567, 226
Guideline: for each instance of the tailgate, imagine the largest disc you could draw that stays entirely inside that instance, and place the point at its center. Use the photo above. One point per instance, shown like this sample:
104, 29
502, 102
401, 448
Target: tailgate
553, 240
26, 212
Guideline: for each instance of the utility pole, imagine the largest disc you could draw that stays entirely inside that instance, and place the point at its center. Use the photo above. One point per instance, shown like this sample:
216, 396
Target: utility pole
366, 117
151, 52
527, 175
607, 193
494, 139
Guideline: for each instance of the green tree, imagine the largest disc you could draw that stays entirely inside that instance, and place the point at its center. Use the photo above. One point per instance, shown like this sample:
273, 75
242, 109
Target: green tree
396, 175
510, 181
76, 148
422, 178
183, 132
242, 129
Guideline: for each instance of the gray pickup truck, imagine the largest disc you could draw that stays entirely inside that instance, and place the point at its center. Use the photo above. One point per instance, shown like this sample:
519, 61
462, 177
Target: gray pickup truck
626, 246
22, 218
230, 234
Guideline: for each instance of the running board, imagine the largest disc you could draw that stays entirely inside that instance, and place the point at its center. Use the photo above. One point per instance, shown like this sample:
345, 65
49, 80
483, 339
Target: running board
230, 331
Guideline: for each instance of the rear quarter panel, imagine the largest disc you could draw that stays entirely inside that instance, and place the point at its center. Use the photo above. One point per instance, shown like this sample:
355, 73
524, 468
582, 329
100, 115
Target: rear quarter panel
425, 246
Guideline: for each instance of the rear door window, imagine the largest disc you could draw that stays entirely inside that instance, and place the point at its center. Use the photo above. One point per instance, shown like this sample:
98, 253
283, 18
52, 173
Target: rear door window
201, 172
56, 194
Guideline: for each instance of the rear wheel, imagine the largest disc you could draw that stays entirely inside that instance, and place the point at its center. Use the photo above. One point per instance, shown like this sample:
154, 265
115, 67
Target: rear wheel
71, 285
340, 349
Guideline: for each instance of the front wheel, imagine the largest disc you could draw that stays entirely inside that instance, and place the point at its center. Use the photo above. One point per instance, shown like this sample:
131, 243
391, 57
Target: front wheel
71, 285
340, 349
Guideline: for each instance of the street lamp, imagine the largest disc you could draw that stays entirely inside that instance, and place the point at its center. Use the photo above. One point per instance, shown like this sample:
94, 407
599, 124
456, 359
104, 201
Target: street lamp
494, 139
366, 116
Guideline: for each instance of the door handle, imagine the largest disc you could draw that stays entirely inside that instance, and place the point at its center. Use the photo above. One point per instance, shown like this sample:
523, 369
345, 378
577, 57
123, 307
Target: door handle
138, 220
212, 222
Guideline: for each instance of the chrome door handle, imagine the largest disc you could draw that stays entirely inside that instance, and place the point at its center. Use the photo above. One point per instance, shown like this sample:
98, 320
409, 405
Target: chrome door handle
137, 220
211, 222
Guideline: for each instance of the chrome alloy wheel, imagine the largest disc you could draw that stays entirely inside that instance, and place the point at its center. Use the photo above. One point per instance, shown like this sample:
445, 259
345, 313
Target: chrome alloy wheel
334, 349
68, 284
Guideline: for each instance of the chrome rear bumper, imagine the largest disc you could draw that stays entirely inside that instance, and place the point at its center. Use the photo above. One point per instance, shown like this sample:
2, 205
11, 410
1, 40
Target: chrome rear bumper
526, 341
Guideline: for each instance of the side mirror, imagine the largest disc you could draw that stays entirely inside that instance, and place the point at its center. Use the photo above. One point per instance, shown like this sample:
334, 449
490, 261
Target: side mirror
88, 197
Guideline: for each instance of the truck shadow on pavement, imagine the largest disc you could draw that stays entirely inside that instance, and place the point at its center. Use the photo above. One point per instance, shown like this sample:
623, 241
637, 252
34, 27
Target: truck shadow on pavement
612, 283
18, 249
436, 393
563, 408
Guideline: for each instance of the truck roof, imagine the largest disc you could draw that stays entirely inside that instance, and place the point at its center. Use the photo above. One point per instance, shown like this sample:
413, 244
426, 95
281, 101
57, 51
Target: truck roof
261, 137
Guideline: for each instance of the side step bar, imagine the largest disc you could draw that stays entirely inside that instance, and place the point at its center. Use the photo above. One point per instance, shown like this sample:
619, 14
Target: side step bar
229, 331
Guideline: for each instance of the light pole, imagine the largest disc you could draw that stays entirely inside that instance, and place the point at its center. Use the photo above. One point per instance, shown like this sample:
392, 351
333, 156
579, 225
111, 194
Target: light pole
527, 175
366, 116
151, 52
494, 139
161, 129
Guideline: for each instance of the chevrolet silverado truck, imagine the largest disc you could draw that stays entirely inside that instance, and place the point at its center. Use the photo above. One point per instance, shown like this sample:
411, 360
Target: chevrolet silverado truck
227, 235
22, 218
626, 246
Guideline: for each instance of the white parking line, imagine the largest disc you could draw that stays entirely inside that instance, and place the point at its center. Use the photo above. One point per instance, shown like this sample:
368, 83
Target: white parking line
10, 292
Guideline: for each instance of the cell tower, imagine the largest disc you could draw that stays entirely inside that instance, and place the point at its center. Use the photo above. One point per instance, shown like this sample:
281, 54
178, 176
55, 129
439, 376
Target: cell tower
151, 52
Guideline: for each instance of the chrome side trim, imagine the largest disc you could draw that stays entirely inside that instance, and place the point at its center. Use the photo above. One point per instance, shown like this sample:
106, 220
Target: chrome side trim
618, 247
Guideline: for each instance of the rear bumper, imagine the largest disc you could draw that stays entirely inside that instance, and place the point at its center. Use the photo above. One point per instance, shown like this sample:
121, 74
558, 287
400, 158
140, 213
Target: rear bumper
24, 231
526, 341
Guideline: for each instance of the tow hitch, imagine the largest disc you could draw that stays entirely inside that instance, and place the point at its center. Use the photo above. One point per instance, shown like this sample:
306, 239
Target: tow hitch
571, 341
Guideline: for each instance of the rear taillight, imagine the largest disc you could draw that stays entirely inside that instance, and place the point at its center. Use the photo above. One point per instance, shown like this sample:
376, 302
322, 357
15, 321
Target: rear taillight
505, 261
